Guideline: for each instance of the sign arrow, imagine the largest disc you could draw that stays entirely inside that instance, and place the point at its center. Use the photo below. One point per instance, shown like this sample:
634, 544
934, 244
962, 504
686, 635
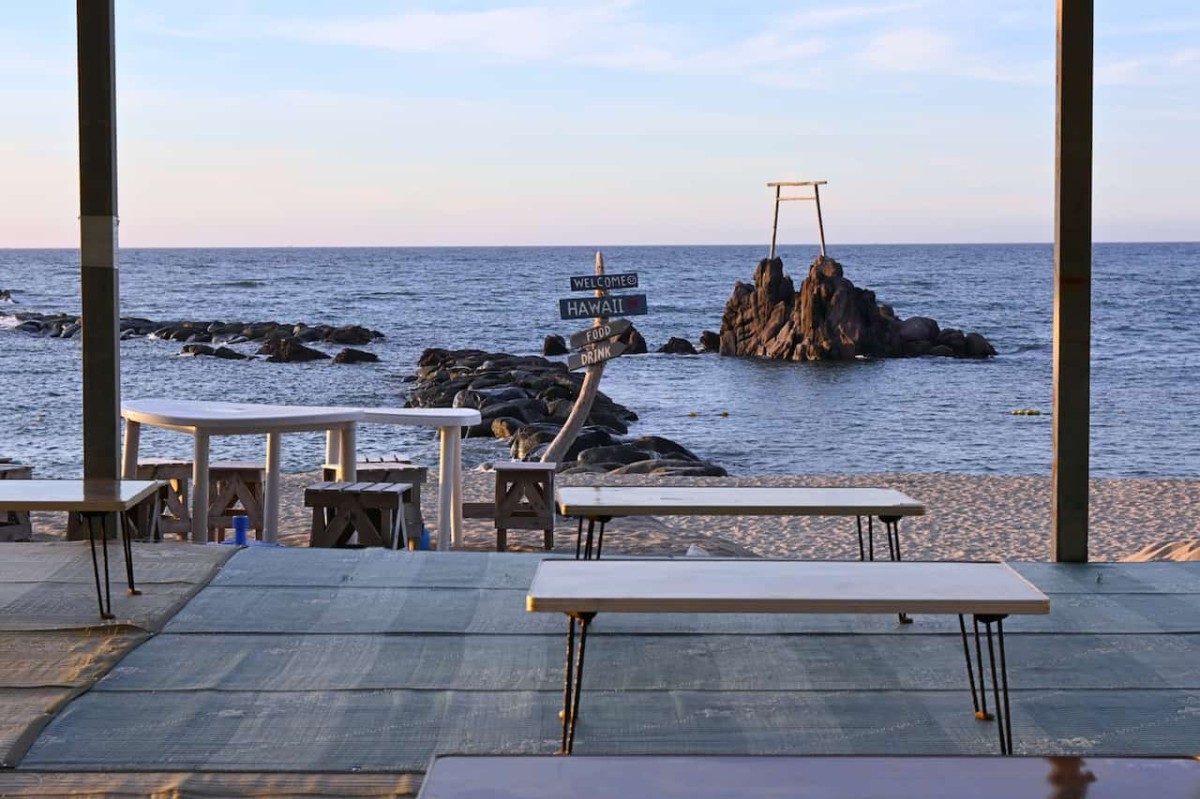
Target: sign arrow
593, 334
592, 355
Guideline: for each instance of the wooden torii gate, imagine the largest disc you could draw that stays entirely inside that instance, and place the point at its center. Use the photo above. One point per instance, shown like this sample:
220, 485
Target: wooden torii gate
816, 197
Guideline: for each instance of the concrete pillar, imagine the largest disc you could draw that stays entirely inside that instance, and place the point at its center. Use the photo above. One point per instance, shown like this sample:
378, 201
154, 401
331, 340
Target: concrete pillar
1072, 281
98, 238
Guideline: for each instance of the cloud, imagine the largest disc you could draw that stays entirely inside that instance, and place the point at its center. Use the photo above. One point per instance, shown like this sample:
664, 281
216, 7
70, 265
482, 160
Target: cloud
909, 50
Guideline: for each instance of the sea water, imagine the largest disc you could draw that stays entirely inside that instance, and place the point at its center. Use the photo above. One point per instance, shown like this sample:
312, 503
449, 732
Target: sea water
752, 417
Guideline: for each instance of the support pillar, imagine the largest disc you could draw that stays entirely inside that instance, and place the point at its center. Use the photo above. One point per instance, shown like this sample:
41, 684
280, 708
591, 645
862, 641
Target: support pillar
1072, 281
99, 283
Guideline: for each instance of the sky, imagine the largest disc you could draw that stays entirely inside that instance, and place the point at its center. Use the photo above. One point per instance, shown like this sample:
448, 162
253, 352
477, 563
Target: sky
597, 122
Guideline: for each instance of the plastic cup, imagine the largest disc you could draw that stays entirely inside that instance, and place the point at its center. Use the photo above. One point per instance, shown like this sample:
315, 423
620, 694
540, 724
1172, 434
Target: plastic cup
241, 526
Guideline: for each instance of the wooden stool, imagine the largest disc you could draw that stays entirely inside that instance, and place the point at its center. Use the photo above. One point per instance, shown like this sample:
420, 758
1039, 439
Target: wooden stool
176, 518
392, 471
524, 499
14, 524
234, 483
372, 510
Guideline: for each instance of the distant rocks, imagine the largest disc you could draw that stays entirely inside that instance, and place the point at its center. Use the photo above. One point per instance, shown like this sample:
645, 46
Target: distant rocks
678, 346
280, 342
6, 295
829, 319
526, 399
554, 345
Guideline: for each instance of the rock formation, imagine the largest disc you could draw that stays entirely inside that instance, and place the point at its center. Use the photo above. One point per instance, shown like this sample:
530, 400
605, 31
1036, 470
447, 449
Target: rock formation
526, 399
828, 319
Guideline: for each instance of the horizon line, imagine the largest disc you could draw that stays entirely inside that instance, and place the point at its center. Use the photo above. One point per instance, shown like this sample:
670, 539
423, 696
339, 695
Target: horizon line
584, 246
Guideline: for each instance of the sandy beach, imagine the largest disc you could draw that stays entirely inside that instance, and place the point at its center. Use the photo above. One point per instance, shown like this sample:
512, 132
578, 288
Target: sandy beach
968, 518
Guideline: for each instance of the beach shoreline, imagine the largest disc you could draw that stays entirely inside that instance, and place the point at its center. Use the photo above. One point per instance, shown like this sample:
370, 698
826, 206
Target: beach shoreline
968, 517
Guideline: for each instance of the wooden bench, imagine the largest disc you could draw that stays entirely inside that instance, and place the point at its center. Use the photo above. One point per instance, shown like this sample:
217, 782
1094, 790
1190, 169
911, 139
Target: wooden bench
987, 591
397, 469
235, 489
95, 502
524, 500
371, 511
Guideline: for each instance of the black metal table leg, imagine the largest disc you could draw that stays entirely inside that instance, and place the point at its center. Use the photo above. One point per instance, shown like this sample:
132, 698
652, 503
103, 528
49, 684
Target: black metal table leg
983, 714
1000, 683
104, 600
962, 628
573, 681
579, 538
600, 537
870, 538
587, 548
891, 525
127, 545
862, 553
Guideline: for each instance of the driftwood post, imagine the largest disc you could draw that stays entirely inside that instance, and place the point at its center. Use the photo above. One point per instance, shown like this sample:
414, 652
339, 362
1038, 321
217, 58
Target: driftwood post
587, 395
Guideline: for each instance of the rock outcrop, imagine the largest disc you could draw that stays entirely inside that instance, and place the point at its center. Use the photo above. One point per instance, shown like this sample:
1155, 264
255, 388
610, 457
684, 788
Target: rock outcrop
829, 319
526, 399
678, 346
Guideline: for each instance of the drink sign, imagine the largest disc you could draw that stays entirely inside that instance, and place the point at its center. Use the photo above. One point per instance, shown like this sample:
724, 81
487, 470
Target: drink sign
593, 334
603, 351
628, 280
612, 305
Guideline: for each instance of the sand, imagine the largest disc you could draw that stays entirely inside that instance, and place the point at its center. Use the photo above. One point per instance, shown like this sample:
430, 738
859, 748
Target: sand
968, 518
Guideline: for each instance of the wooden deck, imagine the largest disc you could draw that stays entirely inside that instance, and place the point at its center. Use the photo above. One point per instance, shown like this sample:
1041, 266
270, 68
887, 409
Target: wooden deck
297, 660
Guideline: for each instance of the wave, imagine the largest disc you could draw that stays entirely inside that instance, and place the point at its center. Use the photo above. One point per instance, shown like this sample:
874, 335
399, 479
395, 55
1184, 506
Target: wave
244, 284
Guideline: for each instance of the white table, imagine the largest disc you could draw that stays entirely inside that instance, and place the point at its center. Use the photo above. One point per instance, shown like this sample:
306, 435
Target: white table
202, 420
828, 777
602, 503
987, 591
450, 422
94, 501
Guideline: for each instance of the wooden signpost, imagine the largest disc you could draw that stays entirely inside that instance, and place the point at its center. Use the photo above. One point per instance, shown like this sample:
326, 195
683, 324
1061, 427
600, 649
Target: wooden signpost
596, 344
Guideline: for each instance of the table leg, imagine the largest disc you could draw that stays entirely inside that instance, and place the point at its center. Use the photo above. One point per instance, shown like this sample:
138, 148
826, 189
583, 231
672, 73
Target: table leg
103, 599
200, 488
129, 455
333, 455
347, 453
573, 682
456, 505
446, 487
271, 489
127, 545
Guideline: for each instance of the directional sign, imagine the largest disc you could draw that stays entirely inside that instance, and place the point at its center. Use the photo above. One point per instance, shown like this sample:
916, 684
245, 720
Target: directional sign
592, 355
612, 305
593, 334
628, 280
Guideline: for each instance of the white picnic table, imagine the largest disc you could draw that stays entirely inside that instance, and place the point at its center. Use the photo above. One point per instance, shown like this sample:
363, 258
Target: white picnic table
988, 592
202, 420
603, 503
94, 501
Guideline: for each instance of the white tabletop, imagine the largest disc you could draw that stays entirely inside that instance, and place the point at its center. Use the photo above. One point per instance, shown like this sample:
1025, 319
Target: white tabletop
423, 417
780, 586
232, 415
109, 496
733, 501
829, 777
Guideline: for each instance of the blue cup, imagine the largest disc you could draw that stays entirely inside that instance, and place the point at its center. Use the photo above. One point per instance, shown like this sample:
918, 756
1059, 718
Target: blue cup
241, 526
424, 541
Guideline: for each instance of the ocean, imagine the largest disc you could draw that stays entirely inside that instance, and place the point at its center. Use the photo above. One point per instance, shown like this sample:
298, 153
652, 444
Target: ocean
752, 417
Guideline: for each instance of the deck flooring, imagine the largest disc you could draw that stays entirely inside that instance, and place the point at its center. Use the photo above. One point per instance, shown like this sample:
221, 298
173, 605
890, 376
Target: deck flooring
295, 660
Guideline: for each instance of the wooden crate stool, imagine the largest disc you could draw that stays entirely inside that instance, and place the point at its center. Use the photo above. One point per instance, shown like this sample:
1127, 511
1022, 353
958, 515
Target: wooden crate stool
524, 500
233, 484
392, 471
176, 518
370, 510
14, 524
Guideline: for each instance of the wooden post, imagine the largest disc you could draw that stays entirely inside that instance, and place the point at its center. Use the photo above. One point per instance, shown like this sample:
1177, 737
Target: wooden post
587, 395
774, 225
1072, 281
99, 285
820, 223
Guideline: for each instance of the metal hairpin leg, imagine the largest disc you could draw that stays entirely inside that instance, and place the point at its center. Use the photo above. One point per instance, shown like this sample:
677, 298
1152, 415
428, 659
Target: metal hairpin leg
579, 538
103, 599
862, 554
573, 679
127, 544
1000, 696
962, 628
583, 549
891, 526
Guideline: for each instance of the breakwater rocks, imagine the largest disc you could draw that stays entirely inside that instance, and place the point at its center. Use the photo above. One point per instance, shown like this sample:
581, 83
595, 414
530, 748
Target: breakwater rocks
280, 342
829, 319
526, 399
